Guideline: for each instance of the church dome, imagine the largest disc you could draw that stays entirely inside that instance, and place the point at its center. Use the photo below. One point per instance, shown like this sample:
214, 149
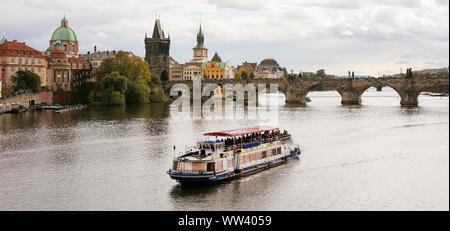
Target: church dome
64, 32
269, 61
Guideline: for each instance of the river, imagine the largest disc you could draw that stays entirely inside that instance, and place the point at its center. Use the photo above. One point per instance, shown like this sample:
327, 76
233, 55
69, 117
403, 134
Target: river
378, 156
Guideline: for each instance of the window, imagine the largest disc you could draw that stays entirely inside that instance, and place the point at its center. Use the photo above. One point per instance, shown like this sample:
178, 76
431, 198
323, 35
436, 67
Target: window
210, 167
26, 61
65, 47
32, 69
264, 154
73, 48
20, 61
242, 159
12, 60
12, 68
219, 165
39, 69
32, 61
39, 61
248, 158
253, 156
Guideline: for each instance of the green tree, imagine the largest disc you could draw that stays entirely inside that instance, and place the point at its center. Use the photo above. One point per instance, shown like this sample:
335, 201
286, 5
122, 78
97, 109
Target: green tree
26, 80
132, 67
140, 84
320, 73
113, 88
138, 92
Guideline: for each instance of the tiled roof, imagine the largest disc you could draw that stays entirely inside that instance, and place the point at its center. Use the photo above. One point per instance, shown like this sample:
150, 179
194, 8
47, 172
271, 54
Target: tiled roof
78, 60
220, 64
58, 53
12, 48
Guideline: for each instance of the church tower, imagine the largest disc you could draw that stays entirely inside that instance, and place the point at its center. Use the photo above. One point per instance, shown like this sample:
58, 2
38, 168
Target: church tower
200, 52
157, 52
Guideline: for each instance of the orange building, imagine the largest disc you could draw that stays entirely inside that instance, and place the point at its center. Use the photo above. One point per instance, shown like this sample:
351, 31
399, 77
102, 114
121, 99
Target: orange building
16, 56
213, 70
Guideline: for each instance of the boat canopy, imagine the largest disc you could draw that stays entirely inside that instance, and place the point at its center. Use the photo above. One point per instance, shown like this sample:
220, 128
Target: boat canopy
241, 131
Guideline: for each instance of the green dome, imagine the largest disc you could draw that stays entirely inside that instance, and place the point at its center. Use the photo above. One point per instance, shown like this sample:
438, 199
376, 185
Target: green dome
64, 34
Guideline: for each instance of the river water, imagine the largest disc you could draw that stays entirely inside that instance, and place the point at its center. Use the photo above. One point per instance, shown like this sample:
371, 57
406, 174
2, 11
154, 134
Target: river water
378, 156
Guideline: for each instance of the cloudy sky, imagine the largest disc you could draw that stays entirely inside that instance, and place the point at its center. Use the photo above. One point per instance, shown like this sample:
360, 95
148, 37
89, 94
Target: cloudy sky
370, 37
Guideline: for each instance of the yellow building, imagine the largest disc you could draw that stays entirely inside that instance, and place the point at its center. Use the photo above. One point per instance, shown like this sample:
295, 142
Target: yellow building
213, 70
191, 69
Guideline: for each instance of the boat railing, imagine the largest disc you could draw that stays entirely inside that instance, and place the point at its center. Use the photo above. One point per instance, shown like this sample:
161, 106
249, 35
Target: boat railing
252, 144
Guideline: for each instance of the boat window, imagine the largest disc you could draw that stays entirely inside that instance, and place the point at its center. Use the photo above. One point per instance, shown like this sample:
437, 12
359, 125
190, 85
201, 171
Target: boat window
241, 159
198, 167
274, 152
264, 154
210, 167
279, 150
248, 158
185, 166
229, 163
219, 165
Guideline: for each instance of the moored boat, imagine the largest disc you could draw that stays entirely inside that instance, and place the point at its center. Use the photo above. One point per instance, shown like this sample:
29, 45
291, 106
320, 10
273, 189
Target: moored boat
233, 153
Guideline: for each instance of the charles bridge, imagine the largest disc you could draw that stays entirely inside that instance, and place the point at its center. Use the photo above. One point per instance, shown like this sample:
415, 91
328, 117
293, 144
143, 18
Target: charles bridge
350, 89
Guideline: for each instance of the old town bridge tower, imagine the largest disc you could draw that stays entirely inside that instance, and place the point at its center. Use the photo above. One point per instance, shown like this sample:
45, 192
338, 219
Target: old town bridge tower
157, 52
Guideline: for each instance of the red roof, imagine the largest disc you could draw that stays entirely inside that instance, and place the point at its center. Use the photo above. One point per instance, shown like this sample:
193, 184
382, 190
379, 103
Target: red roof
58, 53
241, 131
11, 48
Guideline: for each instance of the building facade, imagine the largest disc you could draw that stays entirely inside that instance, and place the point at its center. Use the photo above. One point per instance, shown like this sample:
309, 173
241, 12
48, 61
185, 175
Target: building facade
200, 52
176, 72
16, 56
248, 67
157, 52
192, 69
213, 70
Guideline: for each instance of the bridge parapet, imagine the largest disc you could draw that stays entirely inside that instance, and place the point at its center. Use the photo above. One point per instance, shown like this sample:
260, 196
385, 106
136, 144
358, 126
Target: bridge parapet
350, 89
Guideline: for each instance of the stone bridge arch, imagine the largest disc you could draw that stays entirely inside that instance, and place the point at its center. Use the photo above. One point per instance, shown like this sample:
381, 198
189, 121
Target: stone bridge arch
349, 89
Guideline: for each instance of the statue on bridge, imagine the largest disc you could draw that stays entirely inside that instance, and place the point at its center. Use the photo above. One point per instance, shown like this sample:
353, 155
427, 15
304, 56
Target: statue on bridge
409, 73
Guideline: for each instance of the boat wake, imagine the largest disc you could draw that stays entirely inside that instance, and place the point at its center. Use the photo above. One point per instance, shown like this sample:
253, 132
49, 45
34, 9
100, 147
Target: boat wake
346, 164
420, 124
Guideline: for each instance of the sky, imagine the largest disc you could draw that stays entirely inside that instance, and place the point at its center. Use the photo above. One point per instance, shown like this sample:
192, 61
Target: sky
370, 37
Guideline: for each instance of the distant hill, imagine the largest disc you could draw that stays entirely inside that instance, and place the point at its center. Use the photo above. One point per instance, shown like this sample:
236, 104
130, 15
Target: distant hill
432, 70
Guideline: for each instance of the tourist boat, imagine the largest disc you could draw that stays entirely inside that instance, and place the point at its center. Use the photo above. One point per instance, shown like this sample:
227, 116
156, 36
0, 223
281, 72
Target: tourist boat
18, 108
233, 153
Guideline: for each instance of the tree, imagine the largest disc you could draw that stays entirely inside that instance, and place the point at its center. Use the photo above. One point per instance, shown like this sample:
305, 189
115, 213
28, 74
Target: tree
138, 92
131, 67
320, 73
113, 88
26, 80
139, 84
